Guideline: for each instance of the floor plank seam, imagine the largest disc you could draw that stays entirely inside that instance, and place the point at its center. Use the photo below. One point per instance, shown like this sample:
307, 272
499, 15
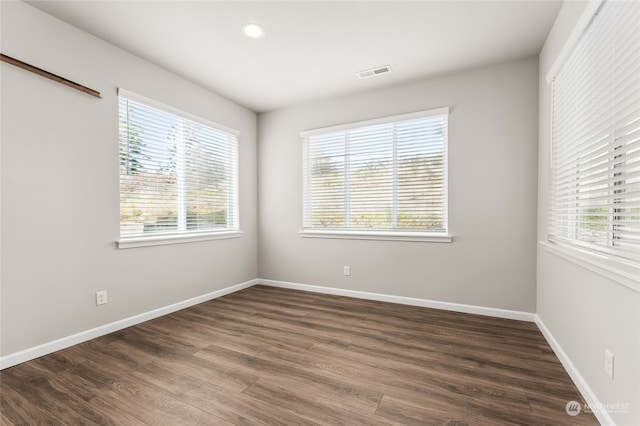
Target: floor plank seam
267, 356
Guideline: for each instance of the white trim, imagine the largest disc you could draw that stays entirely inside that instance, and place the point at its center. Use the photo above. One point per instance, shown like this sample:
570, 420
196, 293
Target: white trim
444, 111
589, 396
412, 301
56, 345
177, 111
379, 235
582, 385
159, 240
620, 273
574, 37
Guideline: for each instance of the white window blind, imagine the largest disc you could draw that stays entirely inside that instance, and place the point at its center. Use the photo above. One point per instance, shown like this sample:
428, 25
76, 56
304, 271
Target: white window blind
178, 173
596, 137
383, 175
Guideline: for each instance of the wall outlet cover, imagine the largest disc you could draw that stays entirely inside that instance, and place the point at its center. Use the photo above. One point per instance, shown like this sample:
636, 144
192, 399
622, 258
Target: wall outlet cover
608, 363
101, 297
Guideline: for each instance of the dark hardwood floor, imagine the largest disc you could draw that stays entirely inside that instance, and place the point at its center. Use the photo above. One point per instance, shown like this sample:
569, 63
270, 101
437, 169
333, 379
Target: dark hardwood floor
274, 356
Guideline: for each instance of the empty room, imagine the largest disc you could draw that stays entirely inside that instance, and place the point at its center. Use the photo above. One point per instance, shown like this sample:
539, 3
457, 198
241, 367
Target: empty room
320, 212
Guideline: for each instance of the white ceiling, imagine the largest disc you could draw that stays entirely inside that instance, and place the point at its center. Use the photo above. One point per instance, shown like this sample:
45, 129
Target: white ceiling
312, 49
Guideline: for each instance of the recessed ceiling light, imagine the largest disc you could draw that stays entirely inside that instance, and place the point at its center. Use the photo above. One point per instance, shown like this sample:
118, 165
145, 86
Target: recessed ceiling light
252, 30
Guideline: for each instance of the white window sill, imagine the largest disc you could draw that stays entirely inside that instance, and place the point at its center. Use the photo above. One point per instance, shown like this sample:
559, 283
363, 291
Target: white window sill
159, 240
379, 235
606, 266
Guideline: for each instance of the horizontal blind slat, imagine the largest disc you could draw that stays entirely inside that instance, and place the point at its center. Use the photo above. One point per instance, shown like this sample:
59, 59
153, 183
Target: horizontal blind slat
595, 197
176, 174
385, 176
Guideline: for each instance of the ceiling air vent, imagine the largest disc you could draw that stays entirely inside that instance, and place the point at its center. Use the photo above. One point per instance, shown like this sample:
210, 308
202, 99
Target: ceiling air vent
374, 71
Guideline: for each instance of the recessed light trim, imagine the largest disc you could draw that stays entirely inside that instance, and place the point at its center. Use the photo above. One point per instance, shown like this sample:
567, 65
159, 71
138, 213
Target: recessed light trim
253, 30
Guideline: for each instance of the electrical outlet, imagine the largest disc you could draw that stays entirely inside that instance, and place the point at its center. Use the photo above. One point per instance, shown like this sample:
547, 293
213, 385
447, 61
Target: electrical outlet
608, 363
347, 271
101, 297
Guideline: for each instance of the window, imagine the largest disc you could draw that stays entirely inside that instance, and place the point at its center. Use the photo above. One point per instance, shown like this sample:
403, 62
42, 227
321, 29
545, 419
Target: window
596, 138
178, 173
380, 177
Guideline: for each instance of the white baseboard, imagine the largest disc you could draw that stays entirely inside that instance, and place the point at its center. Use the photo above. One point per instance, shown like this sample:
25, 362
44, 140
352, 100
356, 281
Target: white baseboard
56, 345
588, 395
425, 303
582, 385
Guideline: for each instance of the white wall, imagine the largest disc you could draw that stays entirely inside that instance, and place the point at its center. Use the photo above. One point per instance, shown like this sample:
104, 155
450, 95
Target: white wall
59, 203
60, 214
492, 201
584, 311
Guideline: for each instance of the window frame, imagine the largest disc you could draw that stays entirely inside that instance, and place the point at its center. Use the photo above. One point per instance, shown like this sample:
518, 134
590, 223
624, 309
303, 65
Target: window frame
604, 260
183, 236
397, 234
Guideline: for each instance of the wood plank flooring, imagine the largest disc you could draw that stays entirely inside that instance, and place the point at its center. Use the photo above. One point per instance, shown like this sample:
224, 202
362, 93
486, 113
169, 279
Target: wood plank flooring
282, 357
